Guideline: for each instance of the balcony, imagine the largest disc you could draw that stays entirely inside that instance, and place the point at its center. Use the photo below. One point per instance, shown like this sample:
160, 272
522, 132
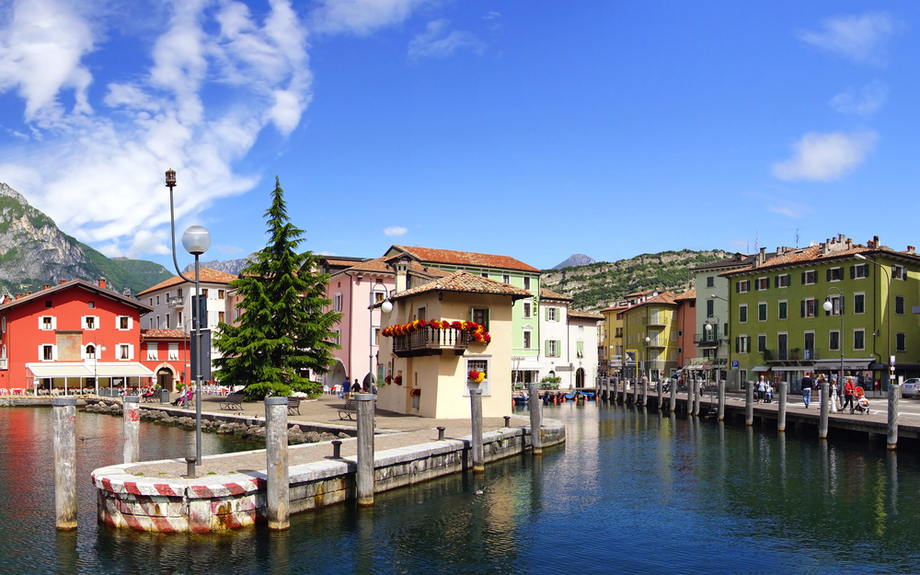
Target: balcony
706, 339
430, 341
4, 363
176, 302
790, 357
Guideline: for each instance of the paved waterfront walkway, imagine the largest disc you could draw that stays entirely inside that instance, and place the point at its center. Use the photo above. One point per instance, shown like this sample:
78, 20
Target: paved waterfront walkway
393, 431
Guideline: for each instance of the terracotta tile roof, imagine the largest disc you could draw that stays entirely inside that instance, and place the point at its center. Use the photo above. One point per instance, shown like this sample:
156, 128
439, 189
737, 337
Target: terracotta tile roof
577, 314
92, 287
163, 334
615, 308
687, 295
451, 257
811, 254
662, 298
549, 294
205, 275
736, 261
427, 270
341, 262
639, 293
464, 282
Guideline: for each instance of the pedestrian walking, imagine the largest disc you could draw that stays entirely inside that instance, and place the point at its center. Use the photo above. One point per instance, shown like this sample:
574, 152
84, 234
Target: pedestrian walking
849, 390
807, 384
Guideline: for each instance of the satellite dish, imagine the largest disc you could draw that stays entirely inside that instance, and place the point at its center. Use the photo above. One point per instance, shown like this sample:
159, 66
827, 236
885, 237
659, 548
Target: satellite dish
813, 244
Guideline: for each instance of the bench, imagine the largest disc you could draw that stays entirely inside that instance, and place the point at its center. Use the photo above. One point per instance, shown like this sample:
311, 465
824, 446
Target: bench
293, 405
233, 401
349, 410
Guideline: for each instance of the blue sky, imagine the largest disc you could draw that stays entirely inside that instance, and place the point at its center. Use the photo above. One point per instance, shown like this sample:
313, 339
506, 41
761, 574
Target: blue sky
532, 129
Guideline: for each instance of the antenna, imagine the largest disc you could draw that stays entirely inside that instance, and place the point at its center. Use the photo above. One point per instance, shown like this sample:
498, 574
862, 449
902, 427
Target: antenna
797, 237
756, 241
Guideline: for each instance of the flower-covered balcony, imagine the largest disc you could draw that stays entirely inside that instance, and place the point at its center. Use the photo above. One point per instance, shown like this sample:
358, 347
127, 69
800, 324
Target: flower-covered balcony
422, 337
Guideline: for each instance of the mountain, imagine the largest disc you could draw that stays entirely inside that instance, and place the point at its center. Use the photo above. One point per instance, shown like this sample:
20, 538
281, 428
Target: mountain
600, 285
34, 252
575, 260
232, 267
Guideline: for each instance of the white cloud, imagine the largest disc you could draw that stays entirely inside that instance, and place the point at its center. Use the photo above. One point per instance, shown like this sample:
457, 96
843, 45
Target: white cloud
395, 231
492, 15
863, 102
862, 39
362, 17
825, 157
436, 42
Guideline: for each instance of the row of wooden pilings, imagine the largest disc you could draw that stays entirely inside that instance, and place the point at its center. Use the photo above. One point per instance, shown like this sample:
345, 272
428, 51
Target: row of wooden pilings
276, 451
615, 390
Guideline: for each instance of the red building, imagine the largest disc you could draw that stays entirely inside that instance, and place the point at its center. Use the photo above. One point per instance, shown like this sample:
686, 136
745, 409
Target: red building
74, 335
165, 353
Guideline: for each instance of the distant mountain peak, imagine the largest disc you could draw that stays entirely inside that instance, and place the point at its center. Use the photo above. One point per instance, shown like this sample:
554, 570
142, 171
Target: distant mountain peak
575, 260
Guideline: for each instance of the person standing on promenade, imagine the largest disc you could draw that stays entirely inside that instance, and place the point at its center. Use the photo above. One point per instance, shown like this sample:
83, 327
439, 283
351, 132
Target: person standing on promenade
818, 385
807, 383
760, 389
849, 390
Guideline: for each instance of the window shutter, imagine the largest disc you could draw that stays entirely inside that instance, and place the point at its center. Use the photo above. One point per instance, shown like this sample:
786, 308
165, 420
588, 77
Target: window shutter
803, 308
841, 305
488, 316
852, 272
737, 344
828, 274
737, 287
546, 353
546, 313
803, 278
756, 285
776, 282
868, 267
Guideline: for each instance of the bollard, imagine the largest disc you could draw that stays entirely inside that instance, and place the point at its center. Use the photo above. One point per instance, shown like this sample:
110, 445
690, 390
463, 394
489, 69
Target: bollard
721, 412
635, 398
781, 410
64, 413
536, 422
190, 466
749, 404
696, 399
191, 456
365, 479
894, 392
672, 407
645, 383
441, 429
337, 449
132, 423
823, 400
278, 490
660, 398
476, 412
507, 421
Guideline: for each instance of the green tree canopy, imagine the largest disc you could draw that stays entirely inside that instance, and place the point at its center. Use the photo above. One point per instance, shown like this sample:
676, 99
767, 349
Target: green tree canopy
283, 330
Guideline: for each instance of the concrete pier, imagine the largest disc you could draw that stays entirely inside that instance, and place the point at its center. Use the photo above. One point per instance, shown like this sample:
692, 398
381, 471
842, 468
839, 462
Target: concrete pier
132, 424
64, 410
536, 420
278, 499
476, 421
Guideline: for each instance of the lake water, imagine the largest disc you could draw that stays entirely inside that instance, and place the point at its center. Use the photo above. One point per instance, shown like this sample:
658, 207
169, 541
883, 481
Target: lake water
630, 492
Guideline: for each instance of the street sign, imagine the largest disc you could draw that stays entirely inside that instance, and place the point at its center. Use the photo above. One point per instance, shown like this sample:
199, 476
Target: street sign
631, 355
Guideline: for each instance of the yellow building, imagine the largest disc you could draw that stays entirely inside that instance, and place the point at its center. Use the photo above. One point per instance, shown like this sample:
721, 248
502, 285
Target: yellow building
429, 347
650, 329
610, 352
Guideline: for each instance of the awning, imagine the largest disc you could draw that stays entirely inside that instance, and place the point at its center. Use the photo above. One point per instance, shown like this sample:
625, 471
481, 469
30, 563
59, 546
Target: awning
832, 364
121, 369
760, 368
59, 369
529, 364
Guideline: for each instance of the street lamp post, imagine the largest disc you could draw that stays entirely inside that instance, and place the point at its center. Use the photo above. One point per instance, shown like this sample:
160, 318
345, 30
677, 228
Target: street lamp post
648, 359
96, 351
888, 309
386, 306
828, 306
710, 329
196, 240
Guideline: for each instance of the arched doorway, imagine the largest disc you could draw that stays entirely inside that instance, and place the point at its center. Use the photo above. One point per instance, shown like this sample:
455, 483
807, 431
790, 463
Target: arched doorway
166, 379
580, 377
338, 375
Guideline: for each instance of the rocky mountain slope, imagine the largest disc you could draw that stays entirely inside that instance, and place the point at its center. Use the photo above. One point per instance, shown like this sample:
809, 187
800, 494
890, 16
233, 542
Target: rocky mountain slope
575, 260
600, 285
33, 252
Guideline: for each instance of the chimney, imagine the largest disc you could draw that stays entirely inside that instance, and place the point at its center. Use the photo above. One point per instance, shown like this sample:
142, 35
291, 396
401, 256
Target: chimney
849, 243
46, 286
761, 257
875, 243
402, 275
102, 283
19, 296
911, 250
63, 281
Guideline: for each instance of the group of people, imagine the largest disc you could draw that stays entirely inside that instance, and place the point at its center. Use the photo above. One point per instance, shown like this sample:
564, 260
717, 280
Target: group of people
355, 388
849, 389
763, 391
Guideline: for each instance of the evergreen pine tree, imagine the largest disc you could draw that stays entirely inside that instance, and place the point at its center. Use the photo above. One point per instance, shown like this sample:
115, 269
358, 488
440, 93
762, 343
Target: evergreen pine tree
283, 330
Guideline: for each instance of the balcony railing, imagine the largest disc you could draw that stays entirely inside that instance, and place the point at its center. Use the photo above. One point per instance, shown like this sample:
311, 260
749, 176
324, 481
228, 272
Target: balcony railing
706, 339
786, 356
176, 302
430, 341
4, 363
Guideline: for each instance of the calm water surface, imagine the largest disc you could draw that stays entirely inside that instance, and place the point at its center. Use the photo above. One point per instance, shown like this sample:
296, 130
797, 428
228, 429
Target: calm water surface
629, 493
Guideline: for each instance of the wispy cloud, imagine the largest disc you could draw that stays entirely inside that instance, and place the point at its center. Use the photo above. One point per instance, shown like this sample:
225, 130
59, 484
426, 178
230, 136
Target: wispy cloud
862, 39
395, 231
361, 16
492, 15
863, 102
437, 42
825, 157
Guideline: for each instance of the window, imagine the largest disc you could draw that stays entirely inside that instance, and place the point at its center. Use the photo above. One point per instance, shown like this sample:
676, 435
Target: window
552, 314
834, 274
48, 304
762, 284
859, 303
527, 336
742, 344
506, 279
527, 310
762, 342
743, 286
91, 304
742, 313
836, 305
158, 300
47, 323
483, 366
833, 342
897, 273
782, 280
809, 306
553, 348
527, 284
179, 293
710, 308
47, 352
151, 302
123, 322
859, 271
901, 341
167, 321
710, 281
125, 351
809, 277
859, 339
204, 293
220, 294
173, 352
579, 349
762, 311
783, 309
90, 322
90, 352
151, 352
379, 296
337, 302
899, 305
